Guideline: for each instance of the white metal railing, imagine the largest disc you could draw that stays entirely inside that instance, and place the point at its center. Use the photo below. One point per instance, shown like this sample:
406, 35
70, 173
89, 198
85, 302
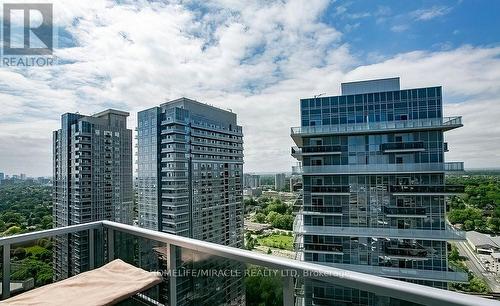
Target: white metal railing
335, 276
379, 168
445, 122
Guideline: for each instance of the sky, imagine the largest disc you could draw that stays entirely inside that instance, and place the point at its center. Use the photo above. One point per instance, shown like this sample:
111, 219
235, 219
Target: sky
257, 58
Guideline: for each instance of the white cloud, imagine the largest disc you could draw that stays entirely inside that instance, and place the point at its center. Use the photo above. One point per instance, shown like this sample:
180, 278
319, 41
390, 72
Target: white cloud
257, 58
399, 28
431, 13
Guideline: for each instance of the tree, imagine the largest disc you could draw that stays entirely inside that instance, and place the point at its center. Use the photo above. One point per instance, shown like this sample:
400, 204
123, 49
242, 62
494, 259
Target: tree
477, 284
251, 244
469, 225
283, 222
272, 216
19, 253
276, 206
454, 254
250, 202
263, 289
31, 268
12, 231
39, 253
260, 217
46, 222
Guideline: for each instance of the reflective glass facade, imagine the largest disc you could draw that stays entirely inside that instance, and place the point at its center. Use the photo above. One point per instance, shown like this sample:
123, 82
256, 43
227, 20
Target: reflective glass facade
190, 181
359, 159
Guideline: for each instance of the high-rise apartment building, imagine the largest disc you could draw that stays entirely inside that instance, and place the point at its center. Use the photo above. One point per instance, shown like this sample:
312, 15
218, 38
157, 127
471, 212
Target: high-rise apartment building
251, 180
374, 192
279, 181
92, 180
190, 183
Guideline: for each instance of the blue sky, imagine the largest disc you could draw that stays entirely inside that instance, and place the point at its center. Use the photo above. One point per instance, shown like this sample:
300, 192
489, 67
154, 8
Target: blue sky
257, 58
387, 28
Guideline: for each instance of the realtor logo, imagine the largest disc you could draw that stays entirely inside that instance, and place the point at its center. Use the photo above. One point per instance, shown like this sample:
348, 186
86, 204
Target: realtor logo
27, 34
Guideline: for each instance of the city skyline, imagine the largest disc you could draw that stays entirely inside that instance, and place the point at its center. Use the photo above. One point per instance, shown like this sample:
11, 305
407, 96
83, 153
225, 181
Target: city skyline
318, 45
230, 152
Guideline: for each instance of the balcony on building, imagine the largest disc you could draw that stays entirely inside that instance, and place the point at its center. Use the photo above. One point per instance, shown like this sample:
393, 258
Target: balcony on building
404, 212
447, 233
317, 210
328, 190
298, 153
405, 250
110, 240
320, 248
238, 131
426, 189
444, 124
452, 275
402, 147
379, 168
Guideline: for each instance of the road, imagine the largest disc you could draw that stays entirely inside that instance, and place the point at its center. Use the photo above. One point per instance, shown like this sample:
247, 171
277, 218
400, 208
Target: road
476, 267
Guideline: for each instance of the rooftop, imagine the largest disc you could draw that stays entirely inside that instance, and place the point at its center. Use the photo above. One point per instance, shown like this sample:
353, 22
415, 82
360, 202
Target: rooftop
111, 111
480, 239
495, 255
369, 86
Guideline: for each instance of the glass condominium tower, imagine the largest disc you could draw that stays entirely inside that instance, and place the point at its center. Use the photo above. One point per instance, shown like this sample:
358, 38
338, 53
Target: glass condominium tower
374, 193
92, 170
190, 183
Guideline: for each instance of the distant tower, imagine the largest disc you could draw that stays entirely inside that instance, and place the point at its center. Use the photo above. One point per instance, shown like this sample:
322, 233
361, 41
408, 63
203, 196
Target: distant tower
279, 181
92, 181
190, 182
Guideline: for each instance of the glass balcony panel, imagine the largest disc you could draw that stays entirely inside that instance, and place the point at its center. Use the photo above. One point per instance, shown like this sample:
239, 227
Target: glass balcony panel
379, 168
401, 147
434, 189
312, 210
454, 166
431, 123
219, 271
317, 292
446, 234
396, 272
404, 211
327, 189
148, 255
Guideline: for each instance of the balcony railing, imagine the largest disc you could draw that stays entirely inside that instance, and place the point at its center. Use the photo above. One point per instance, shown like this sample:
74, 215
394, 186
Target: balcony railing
399, 147
454, 166
448, 233
432, 189
445, 123
405, 250
318, 247
328, 189
237, 132
315, 150
396, 272
118, 235
404, 211
317, 210
379, 168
